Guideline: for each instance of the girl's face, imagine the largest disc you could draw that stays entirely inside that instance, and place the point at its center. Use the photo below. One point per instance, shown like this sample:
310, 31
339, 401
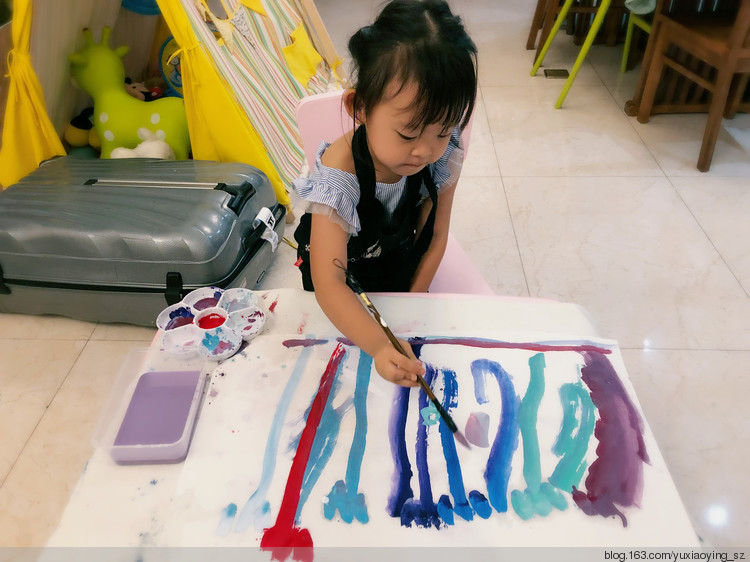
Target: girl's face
398, 150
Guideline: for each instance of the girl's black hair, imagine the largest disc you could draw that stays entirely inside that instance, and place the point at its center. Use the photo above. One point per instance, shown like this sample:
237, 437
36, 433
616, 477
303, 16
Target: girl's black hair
417, 42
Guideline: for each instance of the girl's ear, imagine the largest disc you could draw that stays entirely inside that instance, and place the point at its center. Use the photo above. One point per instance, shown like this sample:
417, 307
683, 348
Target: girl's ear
348, 100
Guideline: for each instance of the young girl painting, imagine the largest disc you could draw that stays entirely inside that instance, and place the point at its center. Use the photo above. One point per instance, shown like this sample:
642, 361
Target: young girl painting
380, 196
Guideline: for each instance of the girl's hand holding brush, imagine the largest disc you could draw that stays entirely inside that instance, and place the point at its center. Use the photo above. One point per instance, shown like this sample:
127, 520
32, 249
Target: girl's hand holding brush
395, 367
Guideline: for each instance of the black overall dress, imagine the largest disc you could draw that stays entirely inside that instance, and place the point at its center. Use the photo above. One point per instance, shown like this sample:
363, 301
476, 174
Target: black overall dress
384, 255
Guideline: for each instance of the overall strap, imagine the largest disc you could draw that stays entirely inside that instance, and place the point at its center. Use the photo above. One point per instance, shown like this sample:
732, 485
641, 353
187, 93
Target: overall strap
425, 237
363, 167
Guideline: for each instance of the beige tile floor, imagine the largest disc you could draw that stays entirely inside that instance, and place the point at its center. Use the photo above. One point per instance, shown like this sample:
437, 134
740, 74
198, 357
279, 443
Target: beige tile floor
582, 204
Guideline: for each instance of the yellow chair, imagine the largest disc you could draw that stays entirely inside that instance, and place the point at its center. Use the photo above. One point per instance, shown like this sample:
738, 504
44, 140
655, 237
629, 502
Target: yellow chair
637, 21
595, 26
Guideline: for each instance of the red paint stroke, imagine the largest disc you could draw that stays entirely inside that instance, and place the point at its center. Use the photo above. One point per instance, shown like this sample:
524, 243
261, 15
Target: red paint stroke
284, 536
495, 344
272, 308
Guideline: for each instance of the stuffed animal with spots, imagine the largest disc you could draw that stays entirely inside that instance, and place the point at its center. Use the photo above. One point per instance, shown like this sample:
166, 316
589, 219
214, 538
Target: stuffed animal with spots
98, 69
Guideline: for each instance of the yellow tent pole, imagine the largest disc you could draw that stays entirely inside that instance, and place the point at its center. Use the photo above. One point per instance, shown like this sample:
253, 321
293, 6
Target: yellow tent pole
28, 134
219, 128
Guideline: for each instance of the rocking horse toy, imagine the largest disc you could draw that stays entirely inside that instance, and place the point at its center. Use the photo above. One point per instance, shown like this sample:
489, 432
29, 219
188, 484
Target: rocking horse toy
118, 116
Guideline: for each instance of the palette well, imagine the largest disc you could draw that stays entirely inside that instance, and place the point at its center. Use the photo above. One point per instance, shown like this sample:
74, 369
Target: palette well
211, 322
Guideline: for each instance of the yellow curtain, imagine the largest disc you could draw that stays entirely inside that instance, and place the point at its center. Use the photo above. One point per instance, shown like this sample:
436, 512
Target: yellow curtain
219, 129
28, 135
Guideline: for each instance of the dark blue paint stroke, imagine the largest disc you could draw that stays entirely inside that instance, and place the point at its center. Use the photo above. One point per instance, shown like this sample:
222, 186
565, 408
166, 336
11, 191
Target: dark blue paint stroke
455, 478
343, 496
402, 473
497, 473
423, 511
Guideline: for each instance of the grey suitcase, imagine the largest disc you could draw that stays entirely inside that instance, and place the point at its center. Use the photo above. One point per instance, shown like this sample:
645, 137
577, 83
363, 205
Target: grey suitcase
119, 240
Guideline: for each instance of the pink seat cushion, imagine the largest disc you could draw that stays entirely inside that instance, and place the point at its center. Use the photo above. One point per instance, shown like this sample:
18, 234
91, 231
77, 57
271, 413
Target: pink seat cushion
322, 117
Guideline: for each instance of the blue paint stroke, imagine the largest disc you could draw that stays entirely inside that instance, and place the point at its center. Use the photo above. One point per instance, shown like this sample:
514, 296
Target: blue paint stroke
538, 498
572, 447
344, 496
227, 520
615, 478
497, 473
257, 509
325, 440
422, 511
401, 480
480, 504
445, 510
455, 478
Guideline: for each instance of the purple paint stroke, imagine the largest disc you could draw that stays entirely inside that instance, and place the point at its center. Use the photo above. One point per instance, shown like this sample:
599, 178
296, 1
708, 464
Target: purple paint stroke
402, 473
615, 478
302, 342
496, 344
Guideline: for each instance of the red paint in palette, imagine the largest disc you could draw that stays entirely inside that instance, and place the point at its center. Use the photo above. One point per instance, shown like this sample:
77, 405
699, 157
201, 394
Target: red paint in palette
211, 321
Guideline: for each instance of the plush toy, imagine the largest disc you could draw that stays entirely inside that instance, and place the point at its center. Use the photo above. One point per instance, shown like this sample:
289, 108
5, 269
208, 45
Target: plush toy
137, 89
151, 147
140, 91
118, 115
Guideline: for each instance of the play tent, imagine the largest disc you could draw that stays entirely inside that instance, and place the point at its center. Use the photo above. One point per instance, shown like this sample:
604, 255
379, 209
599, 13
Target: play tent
244, 66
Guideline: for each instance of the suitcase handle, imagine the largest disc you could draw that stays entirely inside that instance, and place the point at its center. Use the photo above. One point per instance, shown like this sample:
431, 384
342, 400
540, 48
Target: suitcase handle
239, 193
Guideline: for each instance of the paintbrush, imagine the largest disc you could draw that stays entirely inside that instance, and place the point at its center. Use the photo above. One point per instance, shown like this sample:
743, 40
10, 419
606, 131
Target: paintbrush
357, 288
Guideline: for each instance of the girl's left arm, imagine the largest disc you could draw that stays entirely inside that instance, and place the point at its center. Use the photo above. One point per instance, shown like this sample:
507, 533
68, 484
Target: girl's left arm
429, 263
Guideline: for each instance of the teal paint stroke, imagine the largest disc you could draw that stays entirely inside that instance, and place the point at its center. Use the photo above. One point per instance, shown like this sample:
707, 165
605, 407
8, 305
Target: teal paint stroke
227, 519
344, 496
538, 498
257, 510
325, 440
573, 440
430, 415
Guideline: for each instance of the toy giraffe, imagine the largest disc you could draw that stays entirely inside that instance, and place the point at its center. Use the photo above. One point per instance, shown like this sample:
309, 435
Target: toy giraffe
117, 115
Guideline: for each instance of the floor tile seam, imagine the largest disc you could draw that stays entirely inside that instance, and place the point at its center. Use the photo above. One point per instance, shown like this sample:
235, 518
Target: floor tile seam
46, 409
632, 119
708, 237
507, 203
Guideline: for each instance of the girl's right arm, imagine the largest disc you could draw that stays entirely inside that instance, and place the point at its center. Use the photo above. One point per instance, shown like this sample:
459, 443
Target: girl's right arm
342, 307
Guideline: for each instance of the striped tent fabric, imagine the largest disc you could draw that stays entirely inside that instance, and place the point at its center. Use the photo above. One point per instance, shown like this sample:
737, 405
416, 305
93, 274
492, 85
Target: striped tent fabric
247, 48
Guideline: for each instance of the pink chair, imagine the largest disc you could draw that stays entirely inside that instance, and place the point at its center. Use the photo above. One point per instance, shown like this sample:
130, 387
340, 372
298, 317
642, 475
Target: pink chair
323, 117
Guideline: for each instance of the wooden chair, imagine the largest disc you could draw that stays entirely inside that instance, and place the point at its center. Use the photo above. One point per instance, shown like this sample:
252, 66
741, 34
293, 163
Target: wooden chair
722, 42
323, 117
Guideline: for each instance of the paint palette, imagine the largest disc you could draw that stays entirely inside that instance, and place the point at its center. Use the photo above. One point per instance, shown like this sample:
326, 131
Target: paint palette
211, 322
152, 408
